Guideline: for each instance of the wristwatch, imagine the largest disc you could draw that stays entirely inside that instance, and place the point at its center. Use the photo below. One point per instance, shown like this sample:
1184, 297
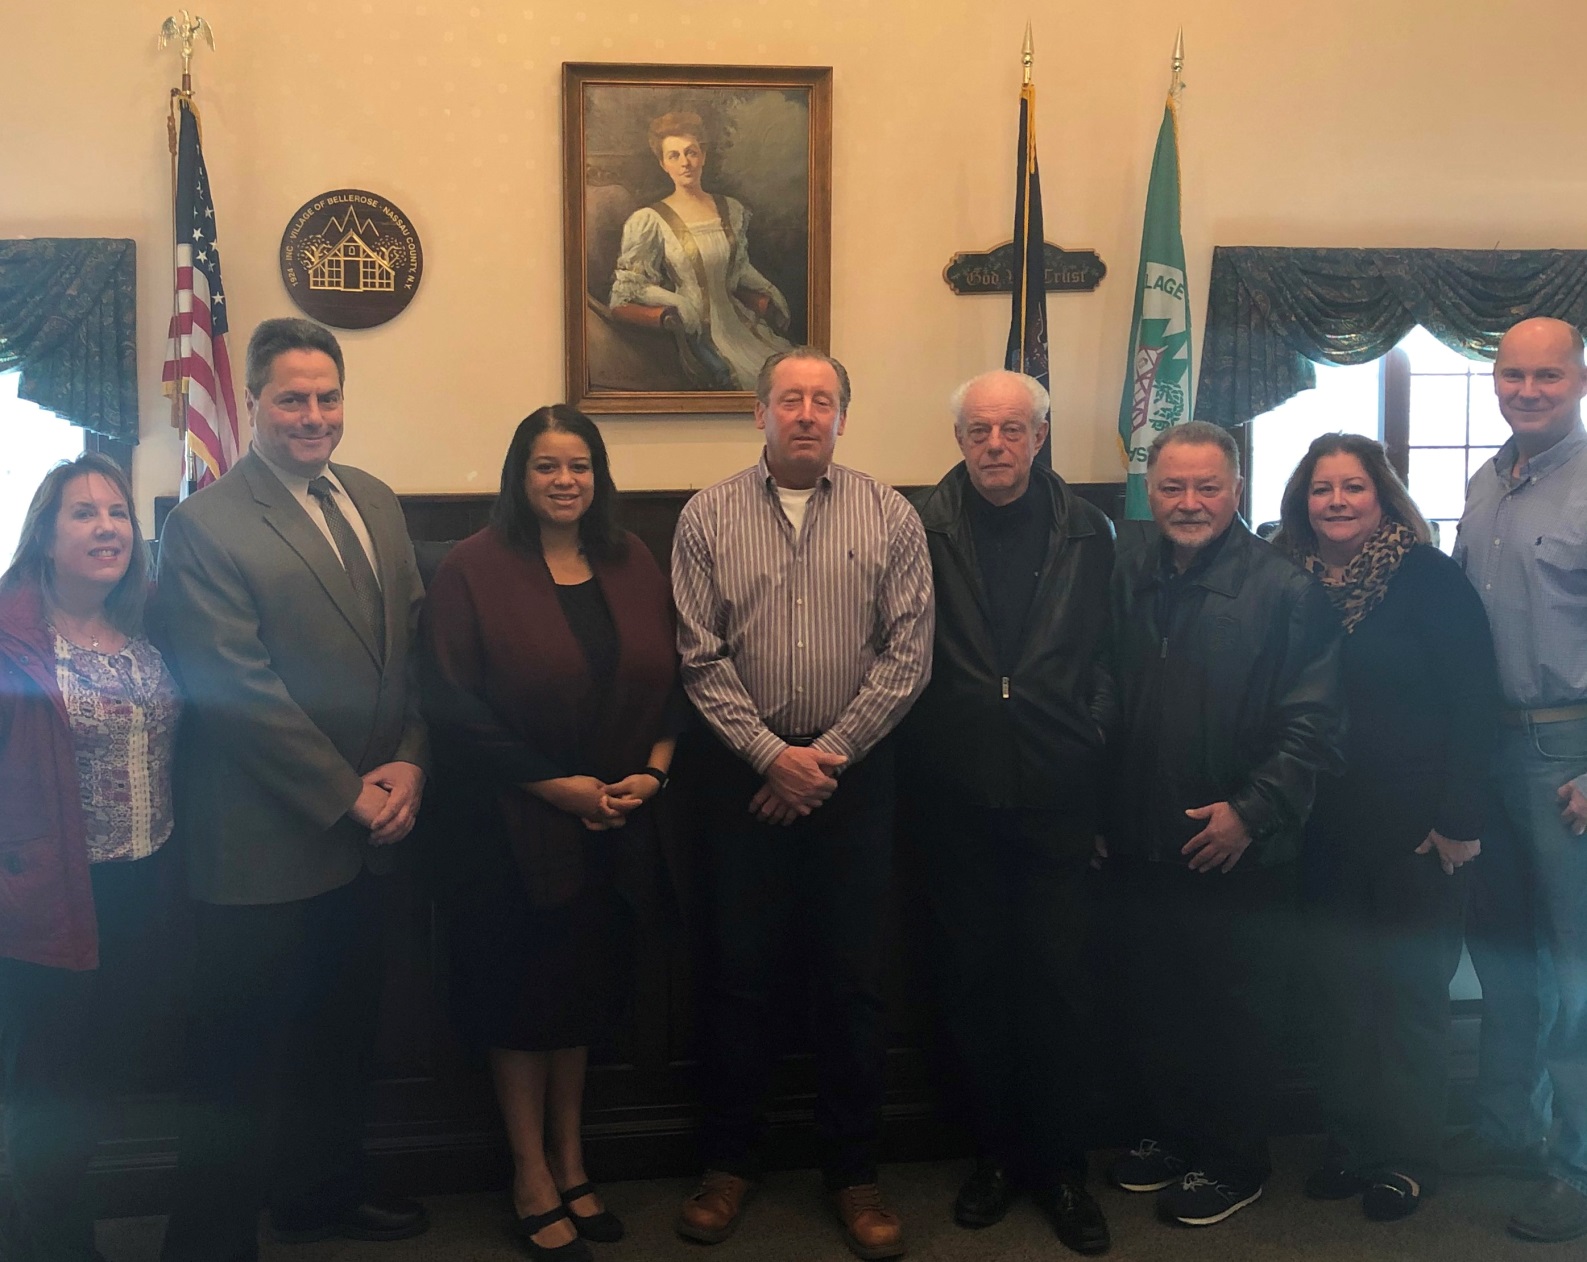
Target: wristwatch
662, 778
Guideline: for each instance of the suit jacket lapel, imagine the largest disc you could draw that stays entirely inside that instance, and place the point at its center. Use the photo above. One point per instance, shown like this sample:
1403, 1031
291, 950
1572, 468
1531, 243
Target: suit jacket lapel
287, 518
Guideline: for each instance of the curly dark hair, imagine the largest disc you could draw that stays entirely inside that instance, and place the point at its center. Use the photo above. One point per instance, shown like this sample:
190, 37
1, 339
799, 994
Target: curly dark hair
600, 531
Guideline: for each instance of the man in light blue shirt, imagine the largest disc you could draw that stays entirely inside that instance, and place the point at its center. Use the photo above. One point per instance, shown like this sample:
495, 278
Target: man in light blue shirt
1523, 544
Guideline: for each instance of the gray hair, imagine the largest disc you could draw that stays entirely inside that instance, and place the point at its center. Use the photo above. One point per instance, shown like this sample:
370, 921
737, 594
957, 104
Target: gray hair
1040, 400
1197, 433
763, 379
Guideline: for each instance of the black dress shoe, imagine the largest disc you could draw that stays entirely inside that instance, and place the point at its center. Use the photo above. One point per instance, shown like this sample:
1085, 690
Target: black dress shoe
985, 1196
377, 1218
603, 1228
1076, 1218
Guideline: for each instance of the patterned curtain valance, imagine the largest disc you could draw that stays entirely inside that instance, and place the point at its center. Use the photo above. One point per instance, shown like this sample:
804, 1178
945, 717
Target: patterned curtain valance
1272, 311
68, 309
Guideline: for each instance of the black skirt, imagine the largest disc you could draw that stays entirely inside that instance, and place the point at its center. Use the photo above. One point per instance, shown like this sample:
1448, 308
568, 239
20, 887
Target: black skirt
536, 979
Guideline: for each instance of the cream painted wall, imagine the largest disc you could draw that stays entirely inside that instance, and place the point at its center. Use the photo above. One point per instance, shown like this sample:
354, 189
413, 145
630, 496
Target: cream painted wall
1343, 122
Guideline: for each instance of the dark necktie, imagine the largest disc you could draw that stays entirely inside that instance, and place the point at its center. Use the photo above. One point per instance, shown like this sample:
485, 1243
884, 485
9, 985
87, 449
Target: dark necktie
354, 559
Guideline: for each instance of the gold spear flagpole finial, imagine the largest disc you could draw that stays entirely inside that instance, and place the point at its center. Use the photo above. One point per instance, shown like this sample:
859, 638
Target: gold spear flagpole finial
186, 27
1028, 53
1178, 84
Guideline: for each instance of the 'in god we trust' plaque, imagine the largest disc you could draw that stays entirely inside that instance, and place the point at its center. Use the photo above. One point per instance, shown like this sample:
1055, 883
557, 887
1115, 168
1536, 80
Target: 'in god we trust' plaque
351, 259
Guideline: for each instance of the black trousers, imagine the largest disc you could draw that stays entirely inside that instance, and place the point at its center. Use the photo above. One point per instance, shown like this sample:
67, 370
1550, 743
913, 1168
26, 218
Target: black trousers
823, 881
1206, 961
1384, 941
1011, 898
68, 1041
280, 1050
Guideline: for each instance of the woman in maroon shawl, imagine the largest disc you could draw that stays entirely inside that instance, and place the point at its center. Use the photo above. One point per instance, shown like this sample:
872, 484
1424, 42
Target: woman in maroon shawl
553, 704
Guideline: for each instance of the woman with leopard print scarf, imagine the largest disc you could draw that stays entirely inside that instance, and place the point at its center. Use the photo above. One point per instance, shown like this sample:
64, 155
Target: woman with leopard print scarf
1388, 842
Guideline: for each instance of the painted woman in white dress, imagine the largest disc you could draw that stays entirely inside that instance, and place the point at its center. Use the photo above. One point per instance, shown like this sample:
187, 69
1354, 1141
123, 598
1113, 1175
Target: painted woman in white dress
690, 252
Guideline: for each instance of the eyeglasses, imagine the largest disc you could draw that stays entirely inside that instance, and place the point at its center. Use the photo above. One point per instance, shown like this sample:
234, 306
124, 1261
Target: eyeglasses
1012, 431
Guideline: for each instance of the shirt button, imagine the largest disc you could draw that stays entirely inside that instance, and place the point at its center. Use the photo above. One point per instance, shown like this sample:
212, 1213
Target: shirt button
1487, 587
799, 644
799, 600
1496, 543
799, 687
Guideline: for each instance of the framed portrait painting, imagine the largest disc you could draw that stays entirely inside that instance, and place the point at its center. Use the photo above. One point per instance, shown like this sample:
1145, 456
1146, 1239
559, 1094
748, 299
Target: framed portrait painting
697, 230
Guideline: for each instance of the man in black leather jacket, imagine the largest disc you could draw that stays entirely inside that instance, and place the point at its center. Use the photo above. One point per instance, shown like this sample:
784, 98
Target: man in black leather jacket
1227, 668
1006, 748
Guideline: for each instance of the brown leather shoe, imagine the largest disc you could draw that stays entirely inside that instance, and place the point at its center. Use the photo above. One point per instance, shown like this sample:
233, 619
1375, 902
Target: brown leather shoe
711, 1214
871, 1229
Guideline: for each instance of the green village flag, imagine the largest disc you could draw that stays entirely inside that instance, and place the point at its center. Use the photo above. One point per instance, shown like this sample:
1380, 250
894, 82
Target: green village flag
1157, 379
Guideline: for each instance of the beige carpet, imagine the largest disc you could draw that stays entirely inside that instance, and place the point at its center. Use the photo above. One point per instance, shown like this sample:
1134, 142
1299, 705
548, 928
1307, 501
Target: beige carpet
788, 1222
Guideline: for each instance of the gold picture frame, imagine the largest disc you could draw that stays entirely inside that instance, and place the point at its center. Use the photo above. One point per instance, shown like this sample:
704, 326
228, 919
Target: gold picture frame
673, 299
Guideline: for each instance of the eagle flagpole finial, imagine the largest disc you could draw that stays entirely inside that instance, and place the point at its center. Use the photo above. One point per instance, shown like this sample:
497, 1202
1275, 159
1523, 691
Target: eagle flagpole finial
186, 27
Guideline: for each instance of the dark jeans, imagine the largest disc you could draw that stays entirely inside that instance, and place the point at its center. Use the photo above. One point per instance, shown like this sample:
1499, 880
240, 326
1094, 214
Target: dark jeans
280, 1048
1384, 943
1012, 898
68, 1040
828, 877
1206, 961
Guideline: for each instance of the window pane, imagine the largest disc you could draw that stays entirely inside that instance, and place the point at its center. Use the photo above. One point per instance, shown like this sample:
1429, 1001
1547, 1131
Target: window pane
1444, 533
1438, 481
1346, 398
1487, 425
1438, 411
35, 441
1428, 354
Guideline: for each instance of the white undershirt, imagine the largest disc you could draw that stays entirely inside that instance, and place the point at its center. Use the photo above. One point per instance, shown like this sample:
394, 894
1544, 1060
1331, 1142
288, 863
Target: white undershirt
794, 504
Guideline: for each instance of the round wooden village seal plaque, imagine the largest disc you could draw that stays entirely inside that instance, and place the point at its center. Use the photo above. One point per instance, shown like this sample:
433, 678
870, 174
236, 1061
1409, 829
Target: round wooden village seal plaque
351, 259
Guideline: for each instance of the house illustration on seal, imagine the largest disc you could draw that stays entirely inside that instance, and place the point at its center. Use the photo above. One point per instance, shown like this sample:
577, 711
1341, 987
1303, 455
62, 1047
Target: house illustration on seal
352, 265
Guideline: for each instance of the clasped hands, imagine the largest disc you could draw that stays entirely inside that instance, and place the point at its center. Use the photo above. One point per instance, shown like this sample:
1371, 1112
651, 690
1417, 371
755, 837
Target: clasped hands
388, 804
599, 806
799, 780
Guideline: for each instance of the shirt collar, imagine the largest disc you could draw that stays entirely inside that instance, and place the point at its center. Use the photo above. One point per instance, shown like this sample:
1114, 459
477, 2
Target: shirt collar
296, 482
770, 483
1545, 462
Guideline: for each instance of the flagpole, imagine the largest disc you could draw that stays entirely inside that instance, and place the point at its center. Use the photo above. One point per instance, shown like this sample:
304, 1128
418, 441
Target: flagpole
183, 27
1028, 91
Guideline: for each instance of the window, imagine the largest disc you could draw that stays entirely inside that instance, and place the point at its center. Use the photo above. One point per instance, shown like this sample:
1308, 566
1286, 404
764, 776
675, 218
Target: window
34, 442
1433, 409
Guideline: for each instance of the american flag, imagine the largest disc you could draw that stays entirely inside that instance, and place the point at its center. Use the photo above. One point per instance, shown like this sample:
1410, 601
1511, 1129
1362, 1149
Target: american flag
197, 368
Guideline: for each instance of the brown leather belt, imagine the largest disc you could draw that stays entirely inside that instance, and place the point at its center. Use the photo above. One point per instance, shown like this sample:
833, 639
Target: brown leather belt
1552, 714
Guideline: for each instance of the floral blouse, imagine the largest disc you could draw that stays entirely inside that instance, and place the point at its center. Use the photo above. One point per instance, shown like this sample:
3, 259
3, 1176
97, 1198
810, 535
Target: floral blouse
122, 708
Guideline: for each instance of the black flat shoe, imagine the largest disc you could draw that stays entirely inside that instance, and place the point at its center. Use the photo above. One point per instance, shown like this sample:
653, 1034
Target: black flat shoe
1391, 1197
603, 1228
575, 1250
1334, 1183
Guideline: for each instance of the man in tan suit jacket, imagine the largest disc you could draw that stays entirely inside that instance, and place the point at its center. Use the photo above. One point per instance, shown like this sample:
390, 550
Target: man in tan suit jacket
287, 608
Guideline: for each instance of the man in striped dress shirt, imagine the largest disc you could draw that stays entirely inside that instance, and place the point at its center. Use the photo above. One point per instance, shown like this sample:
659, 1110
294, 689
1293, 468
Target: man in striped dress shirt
805, 629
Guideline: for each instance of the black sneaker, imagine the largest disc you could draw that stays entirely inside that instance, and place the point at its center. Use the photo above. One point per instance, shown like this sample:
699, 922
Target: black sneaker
1148, 1167
1199, 1199
1077, 1220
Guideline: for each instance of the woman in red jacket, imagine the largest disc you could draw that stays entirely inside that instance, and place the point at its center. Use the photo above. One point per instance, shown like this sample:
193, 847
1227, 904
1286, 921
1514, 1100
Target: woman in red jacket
87, 717
552, 703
